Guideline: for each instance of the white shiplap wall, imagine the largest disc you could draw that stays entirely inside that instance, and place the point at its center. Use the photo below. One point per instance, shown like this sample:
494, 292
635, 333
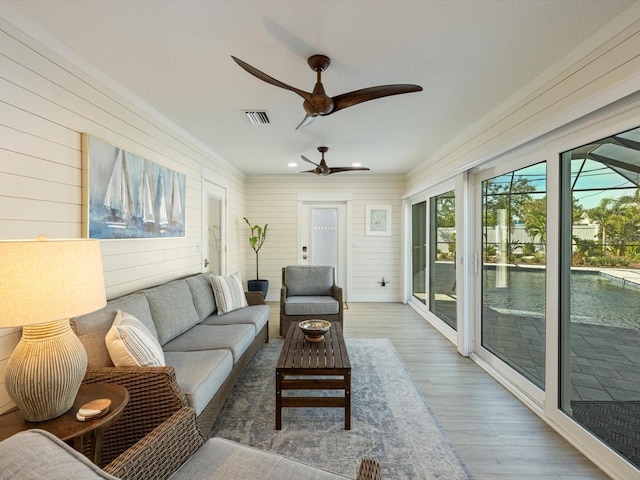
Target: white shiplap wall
274, 200
46, 102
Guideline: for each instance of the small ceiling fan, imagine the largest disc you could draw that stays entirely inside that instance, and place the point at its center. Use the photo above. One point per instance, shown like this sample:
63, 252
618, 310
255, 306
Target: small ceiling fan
318, 103
323, 170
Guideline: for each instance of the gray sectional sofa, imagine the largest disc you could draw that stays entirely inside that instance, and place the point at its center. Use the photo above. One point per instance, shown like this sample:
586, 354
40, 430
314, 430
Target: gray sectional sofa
205, 354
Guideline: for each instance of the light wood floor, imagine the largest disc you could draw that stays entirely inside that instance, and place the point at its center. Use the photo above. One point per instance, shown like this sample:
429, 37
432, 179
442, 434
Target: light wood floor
497, 437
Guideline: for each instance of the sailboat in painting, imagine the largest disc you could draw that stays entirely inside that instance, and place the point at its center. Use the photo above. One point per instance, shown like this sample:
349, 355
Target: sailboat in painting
144, 212
175, 211
117, 198
162, 217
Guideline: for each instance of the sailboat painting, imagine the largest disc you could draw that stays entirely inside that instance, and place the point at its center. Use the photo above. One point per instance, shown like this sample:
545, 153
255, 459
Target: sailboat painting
127, 196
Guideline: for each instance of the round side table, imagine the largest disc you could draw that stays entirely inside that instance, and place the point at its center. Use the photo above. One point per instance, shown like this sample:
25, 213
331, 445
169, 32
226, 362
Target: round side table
66, 427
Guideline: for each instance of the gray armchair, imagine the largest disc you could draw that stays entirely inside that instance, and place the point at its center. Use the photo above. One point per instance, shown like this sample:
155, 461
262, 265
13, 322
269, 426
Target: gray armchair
309, 292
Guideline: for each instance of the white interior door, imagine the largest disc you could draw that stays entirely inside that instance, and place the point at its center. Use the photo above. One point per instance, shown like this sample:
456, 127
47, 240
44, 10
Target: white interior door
214, 228
323, 238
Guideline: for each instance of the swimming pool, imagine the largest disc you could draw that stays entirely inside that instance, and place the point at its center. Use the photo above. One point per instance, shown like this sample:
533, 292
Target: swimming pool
595, 299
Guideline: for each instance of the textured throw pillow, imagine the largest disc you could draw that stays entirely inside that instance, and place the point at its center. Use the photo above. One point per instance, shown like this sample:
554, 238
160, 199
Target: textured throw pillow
228, 291
131, 344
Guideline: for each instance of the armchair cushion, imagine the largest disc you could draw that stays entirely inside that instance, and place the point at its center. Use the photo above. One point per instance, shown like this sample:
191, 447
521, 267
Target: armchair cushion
311, 305
38, 454
224, 459
309, 280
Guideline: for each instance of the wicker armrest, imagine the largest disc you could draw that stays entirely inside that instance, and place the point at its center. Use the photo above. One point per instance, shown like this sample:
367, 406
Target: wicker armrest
337, 293
162, 451
154, 396
369, 469
255, 298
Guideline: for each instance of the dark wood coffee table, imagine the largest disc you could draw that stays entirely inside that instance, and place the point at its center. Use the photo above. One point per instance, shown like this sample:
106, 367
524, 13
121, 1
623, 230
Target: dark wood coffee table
302, 362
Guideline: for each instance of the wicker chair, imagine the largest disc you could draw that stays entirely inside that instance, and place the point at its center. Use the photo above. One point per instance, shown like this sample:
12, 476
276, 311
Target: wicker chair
309, 292
172, 443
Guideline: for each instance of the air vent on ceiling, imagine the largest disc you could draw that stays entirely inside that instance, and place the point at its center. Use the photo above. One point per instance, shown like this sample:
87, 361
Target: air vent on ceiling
257, 117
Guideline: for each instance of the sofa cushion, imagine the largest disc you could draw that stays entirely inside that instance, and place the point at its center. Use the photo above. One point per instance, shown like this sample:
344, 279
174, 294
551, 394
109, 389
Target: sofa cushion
309, 280
257, 315
200, 374
92, 328
224, 459
236, 338
172, 309
36, 454
228, 291
311, 305
130, 343
202, 293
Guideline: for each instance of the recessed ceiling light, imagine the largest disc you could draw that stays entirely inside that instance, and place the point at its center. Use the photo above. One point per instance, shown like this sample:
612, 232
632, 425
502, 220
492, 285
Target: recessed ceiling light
357, 164
292, 164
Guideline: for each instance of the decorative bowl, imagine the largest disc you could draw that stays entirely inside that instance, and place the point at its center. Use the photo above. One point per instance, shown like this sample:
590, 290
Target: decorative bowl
314, 330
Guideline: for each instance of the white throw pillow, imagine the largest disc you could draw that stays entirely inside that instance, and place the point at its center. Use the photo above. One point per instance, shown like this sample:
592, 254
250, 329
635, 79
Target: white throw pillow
131, 344
228, 291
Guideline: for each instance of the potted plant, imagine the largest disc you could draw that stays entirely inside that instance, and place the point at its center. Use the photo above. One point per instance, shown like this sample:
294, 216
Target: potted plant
256, 240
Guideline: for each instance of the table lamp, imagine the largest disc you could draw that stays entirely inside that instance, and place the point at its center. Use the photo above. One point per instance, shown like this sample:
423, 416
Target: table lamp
43, 283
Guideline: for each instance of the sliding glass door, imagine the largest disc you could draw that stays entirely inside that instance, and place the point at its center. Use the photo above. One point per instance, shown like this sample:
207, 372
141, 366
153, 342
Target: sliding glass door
600, 290
442, 257
419, 251
513, 269
433, 246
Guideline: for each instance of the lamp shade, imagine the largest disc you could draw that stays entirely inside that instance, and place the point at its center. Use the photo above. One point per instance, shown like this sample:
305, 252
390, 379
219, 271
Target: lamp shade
43, 283
46, 280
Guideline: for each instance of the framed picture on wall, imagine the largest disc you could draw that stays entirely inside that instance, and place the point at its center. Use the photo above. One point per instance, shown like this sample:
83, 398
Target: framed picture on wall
378, 220
127, 196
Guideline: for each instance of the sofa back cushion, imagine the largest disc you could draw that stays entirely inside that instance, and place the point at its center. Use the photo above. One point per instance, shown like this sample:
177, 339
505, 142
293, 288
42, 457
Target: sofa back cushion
92, 328
309, 280
172, 309
202, 293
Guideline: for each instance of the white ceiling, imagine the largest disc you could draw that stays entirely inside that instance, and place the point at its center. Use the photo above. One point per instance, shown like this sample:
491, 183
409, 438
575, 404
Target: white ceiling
468, 55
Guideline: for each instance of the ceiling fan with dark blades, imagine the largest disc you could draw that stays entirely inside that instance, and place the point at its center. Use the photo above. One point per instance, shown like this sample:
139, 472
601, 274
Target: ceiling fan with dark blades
318, 103
323, 170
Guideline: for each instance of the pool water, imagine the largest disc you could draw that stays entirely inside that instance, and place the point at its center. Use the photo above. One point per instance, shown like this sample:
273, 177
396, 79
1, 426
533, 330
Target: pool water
595, 299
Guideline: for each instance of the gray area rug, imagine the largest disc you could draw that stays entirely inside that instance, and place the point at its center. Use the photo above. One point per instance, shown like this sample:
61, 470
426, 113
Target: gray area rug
390, 419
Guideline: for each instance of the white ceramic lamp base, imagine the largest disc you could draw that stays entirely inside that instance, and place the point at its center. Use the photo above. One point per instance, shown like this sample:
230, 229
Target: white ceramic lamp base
45, 370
